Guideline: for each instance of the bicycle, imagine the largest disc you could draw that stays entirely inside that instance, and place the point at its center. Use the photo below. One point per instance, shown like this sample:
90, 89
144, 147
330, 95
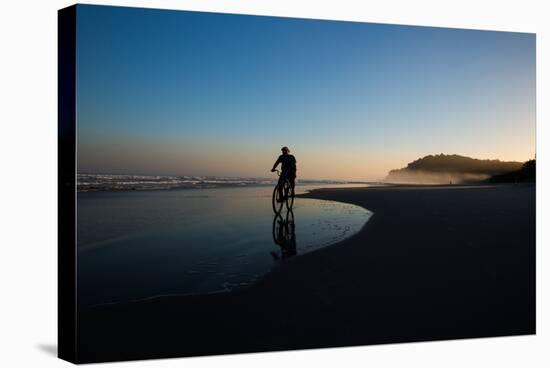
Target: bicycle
287, 192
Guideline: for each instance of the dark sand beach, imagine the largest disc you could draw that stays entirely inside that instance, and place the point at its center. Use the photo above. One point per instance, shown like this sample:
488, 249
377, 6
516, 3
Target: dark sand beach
432, 263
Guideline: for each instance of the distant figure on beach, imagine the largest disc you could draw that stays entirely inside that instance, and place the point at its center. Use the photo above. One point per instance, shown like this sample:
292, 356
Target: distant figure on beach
288, 169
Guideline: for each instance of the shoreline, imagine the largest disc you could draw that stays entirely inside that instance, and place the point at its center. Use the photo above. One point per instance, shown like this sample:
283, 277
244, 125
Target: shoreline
262, 185
432, 263
212, 186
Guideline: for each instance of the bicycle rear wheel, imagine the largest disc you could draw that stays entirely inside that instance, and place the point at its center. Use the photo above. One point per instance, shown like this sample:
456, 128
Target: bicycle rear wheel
289, 195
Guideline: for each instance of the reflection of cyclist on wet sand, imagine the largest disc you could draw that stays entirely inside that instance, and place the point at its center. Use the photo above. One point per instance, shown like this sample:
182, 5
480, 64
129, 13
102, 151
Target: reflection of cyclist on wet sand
288, 168
284, 235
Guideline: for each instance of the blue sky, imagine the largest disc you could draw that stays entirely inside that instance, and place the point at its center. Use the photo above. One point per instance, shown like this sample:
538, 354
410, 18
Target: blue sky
172, 92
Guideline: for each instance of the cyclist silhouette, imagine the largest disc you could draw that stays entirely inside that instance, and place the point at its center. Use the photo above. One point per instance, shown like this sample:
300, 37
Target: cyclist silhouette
288, 170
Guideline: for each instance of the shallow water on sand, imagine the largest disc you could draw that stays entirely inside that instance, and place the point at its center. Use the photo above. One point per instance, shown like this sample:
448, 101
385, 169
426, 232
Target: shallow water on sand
140, 244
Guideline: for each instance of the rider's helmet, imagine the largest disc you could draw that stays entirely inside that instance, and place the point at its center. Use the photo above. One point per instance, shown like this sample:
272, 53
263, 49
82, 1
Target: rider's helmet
285, 149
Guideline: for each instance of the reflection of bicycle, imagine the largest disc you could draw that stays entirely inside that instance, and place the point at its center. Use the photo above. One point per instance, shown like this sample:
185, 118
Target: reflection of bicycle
284, 194
284, 235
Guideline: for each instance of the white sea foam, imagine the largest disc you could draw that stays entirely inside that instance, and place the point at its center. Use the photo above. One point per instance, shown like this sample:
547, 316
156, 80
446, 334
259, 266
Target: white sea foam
104, 182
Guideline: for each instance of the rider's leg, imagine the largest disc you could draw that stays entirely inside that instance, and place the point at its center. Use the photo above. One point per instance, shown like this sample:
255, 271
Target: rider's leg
292, 180
280, 186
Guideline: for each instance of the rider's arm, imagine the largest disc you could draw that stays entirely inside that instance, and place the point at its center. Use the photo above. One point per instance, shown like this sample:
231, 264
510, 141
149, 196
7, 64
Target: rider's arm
276, 163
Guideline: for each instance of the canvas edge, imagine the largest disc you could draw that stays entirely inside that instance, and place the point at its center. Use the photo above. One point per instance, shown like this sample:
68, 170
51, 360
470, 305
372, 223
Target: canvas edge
66, 185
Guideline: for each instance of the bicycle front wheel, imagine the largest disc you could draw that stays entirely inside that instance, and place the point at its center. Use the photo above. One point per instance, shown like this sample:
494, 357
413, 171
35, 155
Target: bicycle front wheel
276, 200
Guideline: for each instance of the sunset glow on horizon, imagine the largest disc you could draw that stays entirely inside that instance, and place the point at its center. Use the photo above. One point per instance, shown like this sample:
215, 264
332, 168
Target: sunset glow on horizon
188, 93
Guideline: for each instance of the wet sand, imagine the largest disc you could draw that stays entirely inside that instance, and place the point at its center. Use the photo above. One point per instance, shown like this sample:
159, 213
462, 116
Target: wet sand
432, 263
